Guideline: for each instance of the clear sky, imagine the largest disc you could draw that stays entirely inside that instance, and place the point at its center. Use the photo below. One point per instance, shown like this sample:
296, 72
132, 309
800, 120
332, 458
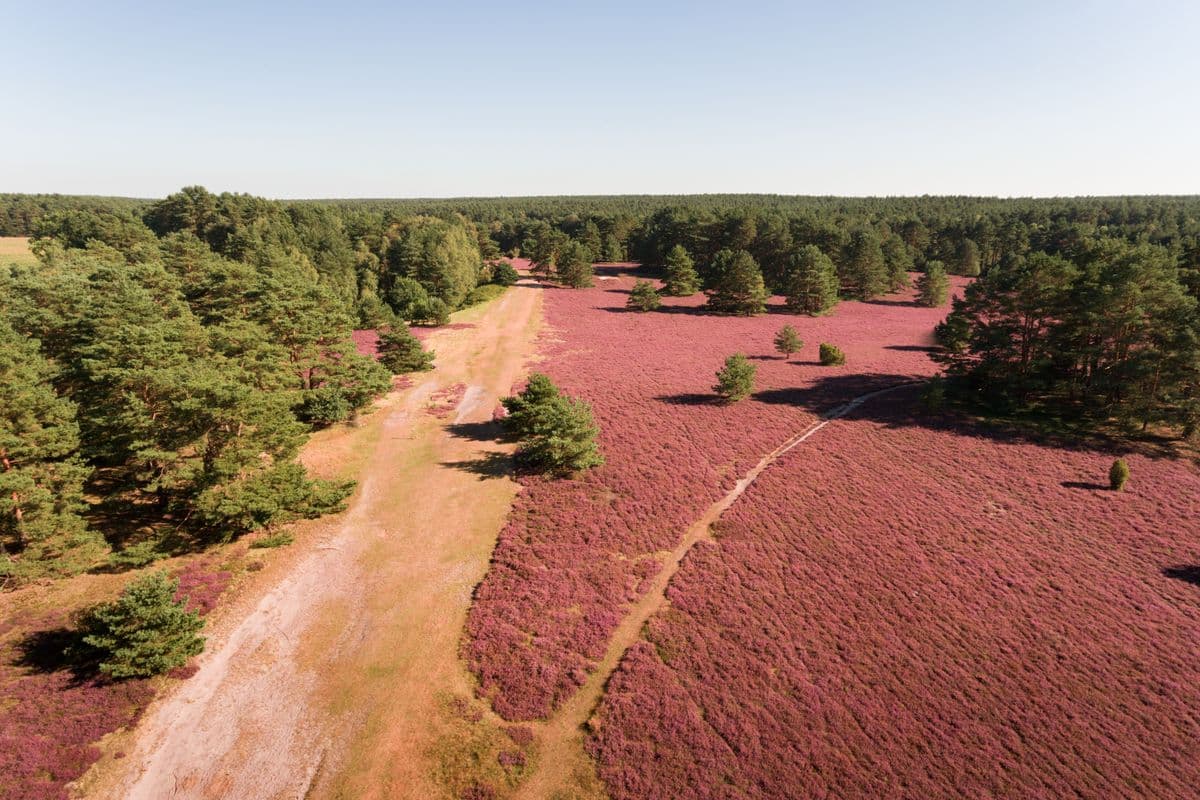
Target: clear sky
357, 99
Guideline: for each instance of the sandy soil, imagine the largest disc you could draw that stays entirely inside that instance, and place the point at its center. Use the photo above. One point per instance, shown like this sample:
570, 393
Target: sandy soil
327, 681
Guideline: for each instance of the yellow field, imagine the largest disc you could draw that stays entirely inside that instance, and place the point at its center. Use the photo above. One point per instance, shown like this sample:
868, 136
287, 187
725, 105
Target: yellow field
15, 249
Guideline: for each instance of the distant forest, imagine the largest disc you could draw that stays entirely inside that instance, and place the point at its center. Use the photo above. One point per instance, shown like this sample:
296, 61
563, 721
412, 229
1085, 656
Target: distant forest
169, 356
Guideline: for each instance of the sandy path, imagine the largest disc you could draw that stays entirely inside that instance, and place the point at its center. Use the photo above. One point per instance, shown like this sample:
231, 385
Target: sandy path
561, 737
323, 685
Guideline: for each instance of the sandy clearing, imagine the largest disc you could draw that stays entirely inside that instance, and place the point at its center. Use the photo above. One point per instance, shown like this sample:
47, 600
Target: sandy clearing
561, 738
325, 683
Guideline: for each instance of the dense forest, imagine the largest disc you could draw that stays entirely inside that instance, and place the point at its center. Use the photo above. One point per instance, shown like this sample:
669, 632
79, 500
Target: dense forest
166, 359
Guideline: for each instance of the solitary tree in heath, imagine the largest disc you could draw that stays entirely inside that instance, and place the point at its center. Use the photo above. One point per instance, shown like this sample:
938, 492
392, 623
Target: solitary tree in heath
787, 341
735, 380
643, 297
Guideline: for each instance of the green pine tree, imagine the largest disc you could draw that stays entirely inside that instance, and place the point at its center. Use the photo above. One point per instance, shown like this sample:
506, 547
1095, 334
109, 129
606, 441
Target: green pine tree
737, 284
643, 297
933, 287
787, 341
812, 282
145, 632
401, 352
735, 380
680, 277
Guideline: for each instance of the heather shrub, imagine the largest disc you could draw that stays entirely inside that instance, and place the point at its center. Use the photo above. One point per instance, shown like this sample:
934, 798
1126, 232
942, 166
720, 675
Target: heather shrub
402, 352
787, 341
831, 355
735, 380
1118, 475
145, 632
643, 297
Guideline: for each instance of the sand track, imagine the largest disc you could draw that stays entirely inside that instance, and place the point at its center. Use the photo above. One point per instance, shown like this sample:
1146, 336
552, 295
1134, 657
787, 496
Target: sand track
320, 684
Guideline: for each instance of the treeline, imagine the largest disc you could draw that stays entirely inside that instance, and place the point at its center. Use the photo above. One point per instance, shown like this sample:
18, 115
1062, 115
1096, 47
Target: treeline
171, 361
1096, 329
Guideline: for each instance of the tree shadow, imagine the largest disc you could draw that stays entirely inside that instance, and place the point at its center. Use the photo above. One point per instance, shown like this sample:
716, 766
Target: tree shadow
913, 348
58, 649
897, 303
1086, 485
488, 431
1188, 573
493, 464
765, 358
900, 409
689, 399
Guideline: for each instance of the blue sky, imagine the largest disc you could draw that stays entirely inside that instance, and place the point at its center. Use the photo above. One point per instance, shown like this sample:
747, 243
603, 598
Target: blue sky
357, 99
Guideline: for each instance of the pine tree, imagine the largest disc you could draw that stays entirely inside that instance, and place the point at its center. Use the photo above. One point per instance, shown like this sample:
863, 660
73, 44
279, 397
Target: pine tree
933, 288
787, 341
681, 279
899, 262
735, 380
863, 274
968, 258
145, 632
643, 297
401, 352
557, 433
812, 283
737, 285
41, 475
575, 266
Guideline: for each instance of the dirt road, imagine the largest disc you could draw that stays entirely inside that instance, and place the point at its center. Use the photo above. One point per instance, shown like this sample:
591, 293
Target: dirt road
328, 682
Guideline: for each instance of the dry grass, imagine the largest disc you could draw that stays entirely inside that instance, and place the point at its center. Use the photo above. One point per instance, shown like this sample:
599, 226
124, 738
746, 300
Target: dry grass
15, 250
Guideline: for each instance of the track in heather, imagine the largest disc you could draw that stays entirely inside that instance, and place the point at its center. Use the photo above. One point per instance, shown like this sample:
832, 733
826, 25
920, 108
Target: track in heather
561, 736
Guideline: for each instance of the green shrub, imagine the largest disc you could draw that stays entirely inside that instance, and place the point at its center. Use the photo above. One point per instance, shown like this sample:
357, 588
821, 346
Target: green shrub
831, 355
643, 297
483, 293
324, 406
401, 352
280, 539
145, 632
505, 274
735, 380
1118, 475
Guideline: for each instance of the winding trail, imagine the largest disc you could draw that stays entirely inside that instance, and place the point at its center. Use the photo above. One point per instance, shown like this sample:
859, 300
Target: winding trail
561, 736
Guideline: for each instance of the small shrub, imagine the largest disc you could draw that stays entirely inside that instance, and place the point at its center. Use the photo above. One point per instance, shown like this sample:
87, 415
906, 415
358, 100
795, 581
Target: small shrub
401, 352
483, 293
504, 274
735, 380
1118, 475
324, 406
643, 297
787, 341
280, 539
832, 355
145, 632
